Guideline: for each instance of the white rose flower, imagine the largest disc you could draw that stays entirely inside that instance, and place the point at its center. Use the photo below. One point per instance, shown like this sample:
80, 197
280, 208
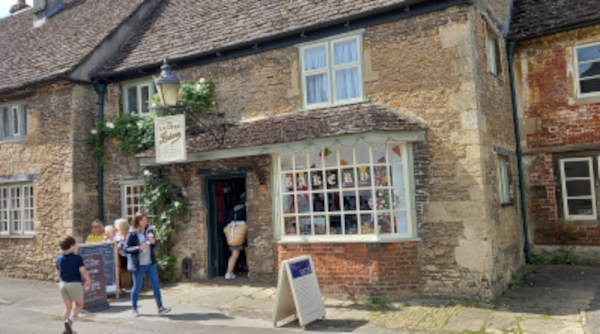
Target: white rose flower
140, 125
153, 105
94, 131
177, 204
213, 102
202, 80
147, 172
199, 88
128, 125
110, 125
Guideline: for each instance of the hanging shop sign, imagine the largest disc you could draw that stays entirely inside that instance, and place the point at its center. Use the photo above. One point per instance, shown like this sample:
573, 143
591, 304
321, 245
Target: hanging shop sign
298, 292
169, 139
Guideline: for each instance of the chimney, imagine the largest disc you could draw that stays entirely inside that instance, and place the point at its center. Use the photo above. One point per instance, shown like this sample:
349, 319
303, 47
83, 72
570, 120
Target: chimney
19, 6
44, 9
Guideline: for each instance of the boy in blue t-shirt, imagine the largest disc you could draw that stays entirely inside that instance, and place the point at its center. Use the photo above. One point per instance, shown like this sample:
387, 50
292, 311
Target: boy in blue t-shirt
70, 268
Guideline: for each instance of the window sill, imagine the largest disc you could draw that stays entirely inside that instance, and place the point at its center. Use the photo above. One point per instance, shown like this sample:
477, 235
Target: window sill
344, 240
12, 140
7, 236
507, 204
342, 104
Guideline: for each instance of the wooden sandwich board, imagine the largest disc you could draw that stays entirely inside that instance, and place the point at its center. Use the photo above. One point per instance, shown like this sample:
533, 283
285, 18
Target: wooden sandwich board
298, 292
110, 258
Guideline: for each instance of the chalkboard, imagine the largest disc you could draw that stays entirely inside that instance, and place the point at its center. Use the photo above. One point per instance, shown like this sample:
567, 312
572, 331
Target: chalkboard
95, 298
110, 258
298, 292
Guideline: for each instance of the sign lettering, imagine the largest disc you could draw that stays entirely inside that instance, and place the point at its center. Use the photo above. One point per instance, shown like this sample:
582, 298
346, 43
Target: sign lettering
169, 139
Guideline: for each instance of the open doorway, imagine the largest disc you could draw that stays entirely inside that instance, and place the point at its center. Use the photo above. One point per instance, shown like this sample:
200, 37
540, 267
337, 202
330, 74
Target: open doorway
223, 193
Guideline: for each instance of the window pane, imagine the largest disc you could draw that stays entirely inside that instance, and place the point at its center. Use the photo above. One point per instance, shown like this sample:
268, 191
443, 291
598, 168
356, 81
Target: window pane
589, 53
365, 200
288, 204
335, 225
5, 122
303, 203
345, 52
287, 182
362, 153
330, 156
286, 160
582, 207
15, 116
578, 188
577, 169
333, 200
491, 48
346, 83
589, 86
383, 199
399, 199
24, 120
385, 223
349, 200
132, 99
315, 58
400, 222
305, 226
302, 181
378, 153
290, 226
364, 176
380, 176
145, 97
367, 225
320, 225
589, 70
351, 224
317, 89
314, 157
316, 179
397, 176
300, 159
348, 178
346, 155
332, 179
319, 202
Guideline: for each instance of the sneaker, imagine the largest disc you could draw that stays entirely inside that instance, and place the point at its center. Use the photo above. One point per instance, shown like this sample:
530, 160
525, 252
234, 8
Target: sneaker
229, 276
248, 274
68, 328
135, 313
163, 310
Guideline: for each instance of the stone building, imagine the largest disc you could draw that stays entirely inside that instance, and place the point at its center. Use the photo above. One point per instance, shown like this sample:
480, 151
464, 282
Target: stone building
556, 57
376, 137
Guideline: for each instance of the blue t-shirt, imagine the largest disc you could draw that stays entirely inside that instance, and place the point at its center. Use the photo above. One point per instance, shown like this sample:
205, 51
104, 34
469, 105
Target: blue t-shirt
69, 265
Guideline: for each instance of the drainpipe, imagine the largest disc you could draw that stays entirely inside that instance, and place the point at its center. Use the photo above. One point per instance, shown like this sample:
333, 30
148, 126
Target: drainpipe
510, 48
100, 89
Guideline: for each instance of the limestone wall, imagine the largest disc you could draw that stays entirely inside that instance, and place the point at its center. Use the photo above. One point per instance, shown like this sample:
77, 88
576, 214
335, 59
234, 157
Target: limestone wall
57, 117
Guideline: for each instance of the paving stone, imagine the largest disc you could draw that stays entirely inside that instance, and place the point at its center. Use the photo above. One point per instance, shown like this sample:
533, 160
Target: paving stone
467, 319
501, 323
549, 326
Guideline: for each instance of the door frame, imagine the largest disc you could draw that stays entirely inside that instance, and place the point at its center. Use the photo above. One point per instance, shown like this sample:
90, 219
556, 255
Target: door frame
211, 231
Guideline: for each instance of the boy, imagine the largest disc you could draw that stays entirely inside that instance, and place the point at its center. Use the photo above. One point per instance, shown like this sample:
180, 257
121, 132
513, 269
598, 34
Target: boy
70, 268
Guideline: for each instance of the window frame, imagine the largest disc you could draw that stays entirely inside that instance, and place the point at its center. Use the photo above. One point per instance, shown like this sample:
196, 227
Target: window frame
138, 84
11, 230
21, 108
504, 180
331, 68
565, 196
409, 195
124, 185
493, 63
576, 70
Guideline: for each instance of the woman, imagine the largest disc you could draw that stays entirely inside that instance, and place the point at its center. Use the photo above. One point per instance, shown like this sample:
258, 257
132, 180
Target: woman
97, 234
238, 214
139, 247
122, 230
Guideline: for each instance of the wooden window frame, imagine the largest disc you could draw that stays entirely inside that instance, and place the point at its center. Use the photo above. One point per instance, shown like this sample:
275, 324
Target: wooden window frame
565, 196
21, 112
138, 84
26, 205
576, 70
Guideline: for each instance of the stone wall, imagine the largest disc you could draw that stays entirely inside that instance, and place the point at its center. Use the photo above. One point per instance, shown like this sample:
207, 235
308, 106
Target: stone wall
555, 124
429, 67
57, 118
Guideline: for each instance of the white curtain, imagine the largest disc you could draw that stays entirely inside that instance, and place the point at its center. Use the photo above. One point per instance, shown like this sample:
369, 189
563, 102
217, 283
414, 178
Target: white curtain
317, 89
346, 80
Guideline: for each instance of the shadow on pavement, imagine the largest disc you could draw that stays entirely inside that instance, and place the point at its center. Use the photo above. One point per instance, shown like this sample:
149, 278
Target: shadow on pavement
329, 325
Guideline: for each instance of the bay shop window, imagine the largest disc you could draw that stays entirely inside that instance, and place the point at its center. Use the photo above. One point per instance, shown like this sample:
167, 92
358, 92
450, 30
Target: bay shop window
361, 192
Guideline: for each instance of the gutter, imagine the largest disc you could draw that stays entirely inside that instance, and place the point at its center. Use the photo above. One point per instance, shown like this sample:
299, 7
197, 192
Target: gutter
510, 49
100, 89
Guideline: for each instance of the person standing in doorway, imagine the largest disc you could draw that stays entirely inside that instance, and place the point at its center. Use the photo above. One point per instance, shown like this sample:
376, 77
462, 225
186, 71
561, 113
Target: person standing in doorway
139, 247
238, 214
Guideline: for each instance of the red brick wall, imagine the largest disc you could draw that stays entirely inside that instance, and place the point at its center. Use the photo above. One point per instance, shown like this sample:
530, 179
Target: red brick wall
543, 175
374, 270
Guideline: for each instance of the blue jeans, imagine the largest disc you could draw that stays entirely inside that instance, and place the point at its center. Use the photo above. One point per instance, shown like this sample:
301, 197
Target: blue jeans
138, 277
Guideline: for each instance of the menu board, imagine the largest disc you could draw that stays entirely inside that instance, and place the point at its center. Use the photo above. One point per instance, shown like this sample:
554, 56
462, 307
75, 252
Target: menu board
95, 298
110, 258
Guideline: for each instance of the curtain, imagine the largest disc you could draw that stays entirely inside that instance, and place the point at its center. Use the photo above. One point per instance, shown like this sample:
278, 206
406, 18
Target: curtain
346, 80
317, 89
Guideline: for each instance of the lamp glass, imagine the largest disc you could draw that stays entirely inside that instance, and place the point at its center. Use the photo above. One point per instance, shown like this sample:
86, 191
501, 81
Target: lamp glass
168, 92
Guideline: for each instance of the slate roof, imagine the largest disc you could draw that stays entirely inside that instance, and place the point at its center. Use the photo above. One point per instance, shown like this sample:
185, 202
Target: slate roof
536, 18
181, 28
300, 126
32, 55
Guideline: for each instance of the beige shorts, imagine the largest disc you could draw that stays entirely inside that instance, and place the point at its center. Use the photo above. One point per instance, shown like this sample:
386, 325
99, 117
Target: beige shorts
71, 291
